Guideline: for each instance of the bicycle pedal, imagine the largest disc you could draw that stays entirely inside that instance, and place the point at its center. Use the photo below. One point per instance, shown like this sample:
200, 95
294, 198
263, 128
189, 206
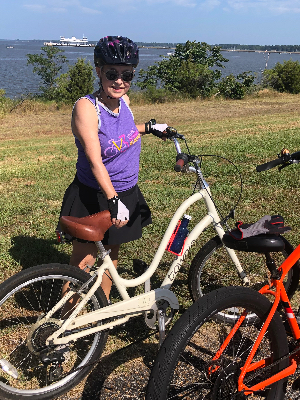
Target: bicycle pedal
161, 326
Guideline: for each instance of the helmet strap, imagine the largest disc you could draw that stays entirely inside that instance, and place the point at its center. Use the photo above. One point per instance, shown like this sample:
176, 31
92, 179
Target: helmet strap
102, 90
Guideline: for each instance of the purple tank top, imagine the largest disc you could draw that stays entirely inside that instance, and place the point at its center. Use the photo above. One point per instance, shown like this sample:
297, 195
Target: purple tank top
120, 148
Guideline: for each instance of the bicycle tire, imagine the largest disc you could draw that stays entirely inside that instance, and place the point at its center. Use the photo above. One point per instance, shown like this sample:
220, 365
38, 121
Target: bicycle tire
212, 269
24, 298
181, 367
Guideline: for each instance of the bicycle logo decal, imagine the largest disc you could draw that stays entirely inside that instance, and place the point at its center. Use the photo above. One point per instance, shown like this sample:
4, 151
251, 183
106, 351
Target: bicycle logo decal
122, 144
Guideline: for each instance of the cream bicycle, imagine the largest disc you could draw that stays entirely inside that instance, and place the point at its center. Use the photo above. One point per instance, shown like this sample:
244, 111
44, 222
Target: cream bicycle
43, 355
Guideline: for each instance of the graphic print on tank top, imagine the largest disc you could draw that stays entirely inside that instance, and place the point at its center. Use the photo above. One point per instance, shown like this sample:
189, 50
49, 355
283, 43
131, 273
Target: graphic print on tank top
122, 143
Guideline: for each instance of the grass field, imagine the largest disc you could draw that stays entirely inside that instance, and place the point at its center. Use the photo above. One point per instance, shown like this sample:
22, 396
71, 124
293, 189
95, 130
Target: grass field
37, 162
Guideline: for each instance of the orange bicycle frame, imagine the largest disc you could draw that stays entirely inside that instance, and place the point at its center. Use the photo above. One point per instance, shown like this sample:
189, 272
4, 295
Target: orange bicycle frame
279, 294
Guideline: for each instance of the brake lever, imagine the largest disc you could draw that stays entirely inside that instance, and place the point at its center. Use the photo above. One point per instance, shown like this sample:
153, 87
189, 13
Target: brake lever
172, 133
284, 165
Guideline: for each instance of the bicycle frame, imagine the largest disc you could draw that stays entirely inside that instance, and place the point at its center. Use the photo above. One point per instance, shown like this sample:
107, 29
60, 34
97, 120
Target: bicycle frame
144, 302
148, 301
279, 294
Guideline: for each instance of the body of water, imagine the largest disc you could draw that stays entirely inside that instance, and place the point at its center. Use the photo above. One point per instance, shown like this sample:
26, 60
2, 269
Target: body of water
18, 79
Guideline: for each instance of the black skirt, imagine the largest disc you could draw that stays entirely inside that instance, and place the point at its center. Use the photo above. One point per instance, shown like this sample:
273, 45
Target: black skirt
81, 200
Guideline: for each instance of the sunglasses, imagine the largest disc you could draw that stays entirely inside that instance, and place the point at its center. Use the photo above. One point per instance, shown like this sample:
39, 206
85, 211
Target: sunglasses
113, 75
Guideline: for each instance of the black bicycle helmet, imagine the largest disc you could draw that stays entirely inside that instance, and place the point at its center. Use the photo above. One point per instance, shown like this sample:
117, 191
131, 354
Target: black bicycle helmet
116, 50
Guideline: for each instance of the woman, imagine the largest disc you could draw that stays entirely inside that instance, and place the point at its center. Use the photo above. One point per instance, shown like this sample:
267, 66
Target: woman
109, 145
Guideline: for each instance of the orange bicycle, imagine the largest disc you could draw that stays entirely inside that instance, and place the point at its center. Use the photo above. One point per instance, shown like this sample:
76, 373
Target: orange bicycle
205, 357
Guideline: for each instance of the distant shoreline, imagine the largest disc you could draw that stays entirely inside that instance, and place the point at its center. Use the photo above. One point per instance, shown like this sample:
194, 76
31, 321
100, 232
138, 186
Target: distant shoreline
295, 49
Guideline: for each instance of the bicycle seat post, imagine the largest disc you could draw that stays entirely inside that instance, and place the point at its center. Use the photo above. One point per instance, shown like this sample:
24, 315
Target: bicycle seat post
271, 265
102, 251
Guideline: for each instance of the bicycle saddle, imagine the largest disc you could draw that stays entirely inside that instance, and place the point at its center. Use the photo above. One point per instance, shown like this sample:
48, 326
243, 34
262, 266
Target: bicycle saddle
91, 228
259, 244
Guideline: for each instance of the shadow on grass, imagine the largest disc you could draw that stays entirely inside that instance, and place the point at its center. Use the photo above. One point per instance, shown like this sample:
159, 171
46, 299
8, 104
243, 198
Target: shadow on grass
126, 370
30, 251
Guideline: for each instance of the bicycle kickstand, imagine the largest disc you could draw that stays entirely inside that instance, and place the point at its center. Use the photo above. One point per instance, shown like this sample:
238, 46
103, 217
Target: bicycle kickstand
161, 326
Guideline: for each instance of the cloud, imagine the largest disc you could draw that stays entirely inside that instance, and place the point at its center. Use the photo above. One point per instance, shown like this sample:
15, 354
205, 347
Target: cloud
209, 5
262, 6
60, 6
283, 7
125, 5
89, 10
184, 3
35, 7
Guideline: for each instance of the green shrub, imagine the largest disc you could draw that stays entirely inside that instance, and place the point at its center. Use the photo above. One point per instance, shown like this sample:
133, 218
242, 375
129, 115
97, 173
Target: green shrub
232, 87
283, 77
77, 82
64, 88
5, 103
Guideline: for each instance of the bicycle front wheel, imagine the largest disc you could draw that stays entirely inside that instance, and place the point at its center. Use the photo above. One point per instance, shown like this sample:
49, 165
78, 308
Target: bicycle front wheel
185, 367
44, 372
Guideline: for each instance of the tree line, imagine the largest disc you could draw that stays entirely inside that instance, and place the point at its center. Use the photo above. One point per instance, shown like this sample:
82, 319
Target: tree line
285, 48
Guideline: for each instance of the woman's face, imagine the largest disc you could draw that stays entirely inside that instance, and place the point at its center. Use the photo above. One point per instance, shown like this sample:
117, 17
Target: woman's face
114, 83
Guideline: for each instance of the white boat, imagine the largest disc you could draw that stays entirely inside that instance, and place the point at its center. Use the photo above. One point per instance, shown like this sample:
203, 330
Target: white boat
73, 41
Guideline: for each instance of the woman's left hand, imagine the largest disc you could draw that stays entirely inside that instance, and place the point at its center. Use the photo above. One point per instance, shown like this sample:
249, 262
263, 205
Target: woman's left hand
118, 211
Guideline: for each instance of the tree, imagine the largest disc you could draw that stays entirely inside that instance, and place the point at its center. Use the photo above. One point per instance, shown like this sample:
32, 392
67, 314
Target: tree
283, 77
47, 65
77, 82
232, 87
190, 70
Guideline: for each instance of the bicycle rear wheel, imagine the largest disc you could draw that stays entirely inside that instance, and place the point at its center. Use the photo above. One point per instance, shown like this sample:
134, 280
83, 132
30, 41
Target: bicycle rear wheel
24, 299
181, 370
212, 269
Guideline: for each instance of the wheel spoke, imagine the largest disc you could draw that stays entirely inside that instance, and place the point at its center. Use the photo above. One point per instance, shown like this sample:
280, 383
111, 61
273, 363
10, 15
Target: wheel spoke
190, 363
43, 370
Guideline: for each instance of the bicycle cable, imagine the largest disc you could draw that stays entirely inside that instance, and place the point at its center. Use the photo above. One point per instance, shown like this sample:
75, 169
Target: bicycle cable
223, 220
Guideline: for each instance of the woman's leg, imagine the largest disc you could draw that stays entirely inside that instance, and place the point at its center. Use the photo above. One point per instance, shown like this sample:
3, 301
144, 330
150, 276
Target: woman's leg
106, 280
84, 256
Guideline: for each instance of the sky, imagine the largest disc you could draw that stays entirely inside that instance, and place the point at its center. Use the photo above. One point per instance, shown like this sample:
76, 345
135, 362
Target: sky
261, 22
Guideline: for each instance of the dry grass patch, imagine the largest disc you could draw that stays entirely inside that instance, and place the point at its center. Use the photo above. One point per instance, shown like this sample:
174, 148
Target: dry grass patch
34, 124
199, 111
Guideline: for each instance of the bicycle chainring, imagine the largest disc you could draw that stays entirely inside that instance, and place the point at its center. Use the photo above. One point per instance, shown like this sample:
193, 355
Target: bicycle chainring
151, 316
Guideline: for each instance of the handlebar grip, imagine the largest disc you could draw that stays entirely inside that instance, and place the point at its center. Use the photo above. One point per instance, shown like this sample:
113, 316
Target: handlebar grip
295, 156
270, 164
179, 165
181, 160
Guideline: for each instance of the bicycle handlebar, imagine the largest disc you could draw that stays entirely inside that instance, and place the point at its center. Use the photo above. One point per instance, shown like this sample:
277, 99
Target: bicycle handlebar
172, 133
270, 164
284, 159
